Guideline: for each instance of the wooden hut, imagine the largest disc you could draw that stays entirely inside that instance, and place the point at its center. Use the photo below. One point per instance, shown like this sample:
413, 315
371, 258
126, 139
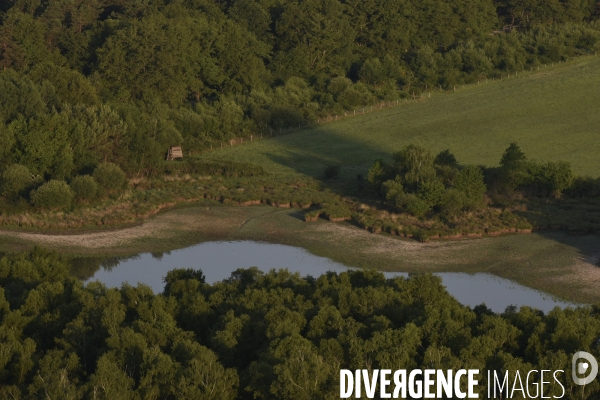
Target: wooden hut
174, 152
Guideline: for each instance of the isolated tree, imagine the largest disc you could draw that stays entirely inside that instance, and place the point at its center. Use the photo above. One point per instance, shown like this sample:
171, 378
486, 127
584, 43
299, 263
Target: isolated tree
513, 166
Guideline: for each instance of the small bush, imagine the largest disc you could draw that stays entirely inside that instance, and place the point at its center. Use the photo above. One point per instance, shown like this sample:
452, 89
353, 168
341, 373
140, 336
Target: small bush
84, 187
15, 180
452, 203
332, 172
53, 194
416, 206
230, 169
110, 177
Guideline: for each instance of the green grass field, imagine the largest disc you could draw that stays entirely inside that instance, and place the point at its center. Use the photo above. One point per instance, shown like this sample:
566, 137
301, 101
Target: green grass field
553, 114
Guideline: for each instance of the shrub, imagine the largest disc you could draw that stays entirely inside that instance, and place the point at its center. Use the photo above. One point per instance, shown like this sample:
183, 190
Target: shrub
446, 159
15, 180
84, 187
470, 181
230, 169
394, 192
332, 171
452, 203
110, 177
416, 206
431, 192
553, 178
514, 167
584, 187
378, 173
53, 194
414, 164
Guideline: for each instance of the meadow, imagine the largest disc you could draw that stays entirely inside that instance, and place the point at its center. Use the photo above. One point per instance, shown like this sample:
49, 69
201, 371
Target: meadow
551, 113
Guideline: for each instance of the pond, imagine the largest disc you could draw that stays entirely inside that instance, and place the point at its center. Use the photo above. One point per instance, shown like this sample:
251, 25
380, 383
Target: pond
219, 259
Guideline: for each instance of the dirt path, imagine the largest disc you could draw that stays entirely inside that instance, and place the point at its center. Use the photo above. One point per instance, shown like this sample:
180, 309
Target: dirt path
162, 227
560, 265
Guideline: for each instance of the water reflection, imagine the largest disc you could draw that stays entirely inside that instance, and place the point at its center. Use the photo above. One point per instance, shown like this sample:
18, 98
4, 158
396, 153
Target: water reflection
219, 259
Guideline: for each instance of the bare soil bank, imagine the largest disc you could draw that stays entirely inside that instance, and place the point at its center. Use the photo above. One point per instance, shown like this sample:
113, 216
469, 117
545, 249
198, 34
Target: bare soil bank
559, 264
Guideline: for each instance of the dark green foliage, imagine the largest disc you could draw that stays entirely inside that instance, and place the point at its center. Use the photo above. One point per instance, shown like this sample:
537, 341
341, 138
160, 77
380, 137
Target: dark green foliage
230, 169
176, 275
513, 157
416, 205
19, 96
414, 165
584, 187
423, 187
432, 192
259, 335
452, 203
513, 167
112, 81
84, 187
553, 178
15, 180
331, 172
377, 175
110, 177
470, 181
53, 194
445, 159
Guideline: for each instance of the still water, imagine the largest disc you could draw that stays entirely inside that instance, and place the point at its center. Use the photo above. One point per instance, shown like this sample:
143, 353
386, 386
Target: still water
219, 259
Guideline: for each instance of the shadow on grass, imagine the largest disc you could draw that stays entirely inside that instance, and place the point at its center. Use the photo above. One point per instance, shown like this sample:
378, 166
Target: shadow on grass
568, 222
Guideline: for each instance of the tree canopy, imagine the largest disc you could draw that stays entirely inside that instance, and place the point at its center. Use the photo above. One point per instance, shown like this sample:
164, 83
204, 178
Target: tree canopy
259, 335
115, 81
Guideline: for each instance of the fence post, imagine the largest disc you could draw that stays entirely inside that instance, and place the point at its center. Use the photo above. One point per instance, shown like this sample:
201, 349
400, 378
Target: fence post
250, 137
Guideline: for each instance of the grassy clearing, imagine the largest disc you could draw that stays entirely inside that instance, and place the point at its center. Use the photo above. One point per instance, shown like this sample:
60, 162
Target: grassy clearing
552, 114
559, 264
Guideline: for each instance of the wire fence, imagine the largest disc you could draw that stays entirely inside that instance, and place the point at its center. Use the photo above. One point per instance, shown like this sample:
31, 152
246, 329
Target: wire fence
380, 105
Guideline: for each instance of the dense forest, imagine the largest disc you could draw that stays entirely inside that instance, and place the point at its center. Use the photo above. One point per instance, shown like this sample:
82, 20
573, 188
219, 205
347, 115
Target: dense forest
259, 335
87, 82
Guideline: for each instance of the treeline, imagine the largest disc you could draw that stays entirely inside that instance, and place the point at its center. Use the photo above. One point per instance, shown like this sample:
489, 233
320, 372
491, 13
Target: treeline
423, 185
95, 81
259, 335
